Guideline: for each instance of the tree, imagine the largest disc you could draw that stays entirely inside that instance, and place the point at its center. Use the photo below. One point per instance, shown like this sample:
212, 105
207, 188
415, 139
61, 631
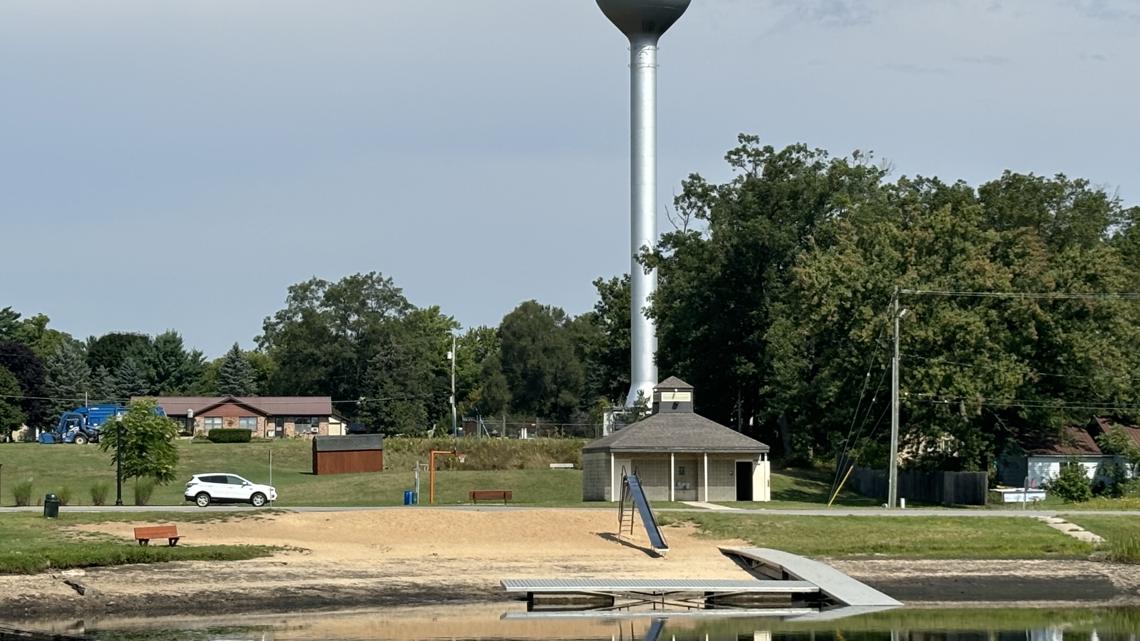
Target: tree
132, 378
539, 363
324, 340
408, 381
28, 369
1117, 442
172, 368
236, 376
111, 349
67, 380
602, 340
11, 416
143, 442
1071, 484
103, 386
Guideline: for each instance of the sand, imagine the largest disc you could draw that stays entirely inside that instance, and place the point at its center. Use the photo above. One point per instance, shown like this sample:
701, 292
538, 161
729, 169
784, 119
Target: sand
340, 560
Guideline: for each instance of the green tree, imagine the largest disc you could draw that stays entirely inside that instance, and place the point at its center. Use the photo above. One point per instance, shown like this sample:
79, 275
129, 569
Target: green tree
67, 379
173, 369
236, 376
103, 386
143, 442
1071, 484
324, 340
132, 378
539, 362
22, 362
111, 349
409, 378
601, 339
1117, 442
11, 416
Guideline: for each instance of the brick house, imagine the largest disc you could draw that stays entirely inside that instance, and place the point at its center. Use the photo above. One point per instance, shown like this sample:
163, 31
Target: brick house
265, 416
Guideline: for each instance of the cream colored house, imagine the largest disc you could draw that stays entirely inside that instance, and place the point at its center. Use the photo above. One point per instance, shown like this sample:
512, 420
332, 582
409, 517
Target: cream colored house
678, 455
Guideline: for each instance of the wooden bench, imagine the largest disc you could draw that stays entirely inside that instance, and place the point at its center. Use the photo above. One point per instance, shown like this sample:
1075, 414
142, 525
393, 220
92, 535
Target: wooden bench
169, 532
490, 495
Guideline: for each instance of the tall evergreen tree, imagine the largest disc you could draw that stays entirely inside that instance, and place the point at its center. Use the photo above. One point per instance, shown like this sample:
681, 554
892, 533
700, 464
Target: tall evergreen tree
132, 378
11, 416
173, 369
67, 380
236, 376
103, 387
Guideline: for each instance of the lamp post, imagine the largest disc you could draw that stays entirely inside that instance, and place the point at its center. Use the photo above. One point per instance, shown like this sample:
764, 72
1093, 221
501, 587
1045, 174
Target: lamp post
119, 462
451, 357
431, 470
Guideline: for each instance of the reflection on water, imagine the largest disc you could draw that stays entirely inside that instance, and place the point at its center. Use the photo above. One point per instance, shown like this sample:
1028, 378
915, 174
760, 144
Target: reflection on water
487, 622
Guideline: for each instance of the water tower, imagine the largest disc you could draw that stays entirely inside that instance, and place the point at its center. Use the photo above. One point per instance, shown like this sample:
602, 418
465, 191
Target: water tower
643, 22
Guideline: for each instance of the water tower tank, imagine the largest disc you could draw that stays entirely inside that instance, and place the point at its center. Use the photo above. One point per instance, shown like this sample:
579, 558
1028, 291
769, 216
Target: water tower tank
643, 17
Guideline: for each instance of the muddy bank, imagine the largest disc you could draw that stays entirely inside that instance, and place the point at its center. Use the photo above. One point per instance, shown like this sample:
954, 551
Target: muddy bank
431, 557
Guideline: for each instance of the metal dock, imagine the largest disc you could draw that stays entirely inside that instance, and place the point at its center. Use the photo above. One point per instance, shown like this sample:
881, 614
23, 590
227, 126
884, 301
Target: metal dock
601, 594
843, 590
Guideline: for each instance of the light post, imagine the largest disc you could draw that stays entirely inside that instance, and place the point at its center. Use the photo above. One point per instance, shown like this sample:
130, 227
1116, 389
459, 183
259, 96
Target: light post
451, 357
431, 470
119, 462
893, 464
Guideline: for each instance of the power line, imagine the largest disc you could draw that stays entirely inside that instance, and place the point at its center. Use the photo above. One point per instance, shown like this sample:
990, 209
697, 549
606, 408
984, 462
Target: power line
1024, 403
1029, 295
979, 365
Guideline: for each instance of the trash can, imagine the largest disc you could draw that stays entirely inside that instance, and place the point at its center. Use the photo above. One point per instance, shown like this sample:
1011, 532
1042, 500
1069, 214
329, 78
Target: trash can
409, 497
51, 506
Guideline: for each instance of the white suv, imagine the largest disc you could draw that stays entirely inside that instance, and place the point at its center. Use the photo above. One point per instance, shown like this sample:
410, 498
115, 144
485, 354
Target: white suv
204, 489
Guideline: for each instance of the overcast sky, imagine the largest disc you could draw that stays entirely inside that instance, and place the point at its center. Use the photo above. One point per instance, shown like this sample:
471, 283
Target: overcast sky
178, 164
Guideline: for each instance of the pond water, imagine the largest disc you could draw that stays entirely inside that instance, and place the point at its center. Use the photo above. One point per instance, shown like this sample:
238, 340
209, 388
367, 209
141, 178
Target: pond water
503, 622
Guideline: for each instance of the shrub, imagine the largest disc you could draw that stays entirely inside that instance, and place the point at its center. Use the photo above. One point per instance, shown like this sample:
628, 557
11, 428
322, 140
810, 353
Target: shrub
1072, 484
1112, 481
64, 495
99, 493
144, 488
22, 492
229, 436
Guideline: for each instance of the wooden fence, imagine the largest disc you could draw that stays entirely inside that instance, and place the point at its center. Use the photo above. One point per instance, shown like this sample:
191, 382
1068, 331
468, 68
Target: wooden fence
941, 488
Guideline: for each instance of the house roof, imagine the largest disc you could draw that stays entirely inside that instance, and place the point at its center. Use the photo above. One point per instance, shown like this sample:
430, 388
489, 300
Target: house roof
676, 432
672, 383
1073, 441
1104, 426
350, 443
267, 405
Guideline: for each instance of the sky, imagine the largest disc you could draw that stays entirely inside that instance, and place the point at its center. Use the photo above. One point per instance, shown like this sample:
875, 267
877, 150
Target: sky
178, 164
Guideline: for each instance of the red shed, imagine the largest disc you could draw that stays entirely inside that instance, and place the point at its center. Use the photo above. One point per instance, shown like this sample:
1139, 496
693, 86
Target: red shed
348, 454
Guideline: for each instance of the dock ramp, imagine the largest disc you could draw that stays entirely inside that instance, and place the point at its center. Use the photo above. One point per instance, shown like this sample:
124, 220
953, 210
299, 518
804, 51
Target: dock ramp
633, 497
766, 563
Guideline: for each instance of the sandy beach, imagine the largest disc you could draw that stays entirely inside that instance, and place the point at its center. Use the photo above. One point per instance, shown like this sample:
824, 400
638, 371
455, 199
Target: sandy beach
347, 560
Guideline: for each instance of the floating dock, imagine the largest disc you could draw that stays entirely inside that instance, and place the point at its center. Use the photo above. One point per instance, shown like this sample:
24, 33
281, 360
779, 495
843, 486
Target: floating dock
784, 585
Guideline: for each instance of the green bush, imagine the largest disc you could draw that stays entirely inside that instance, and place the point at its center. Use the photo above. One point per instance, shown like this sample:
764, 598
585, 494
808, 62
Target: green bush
144, 488
229, 436
1072, 484
64, 495
99, 493
22, 493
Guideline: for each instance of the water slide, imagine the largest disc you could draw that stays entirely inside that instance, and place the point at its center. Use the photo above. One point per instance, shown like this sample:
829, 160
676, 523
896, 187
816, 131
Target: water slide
631, 489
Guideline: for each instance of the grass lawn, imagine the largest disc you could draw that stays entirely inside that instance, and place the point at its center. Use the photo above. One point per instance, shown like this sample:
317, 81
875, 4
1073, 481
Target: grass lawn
934, 537
75, 468
35, 544
51, 468
1121, 534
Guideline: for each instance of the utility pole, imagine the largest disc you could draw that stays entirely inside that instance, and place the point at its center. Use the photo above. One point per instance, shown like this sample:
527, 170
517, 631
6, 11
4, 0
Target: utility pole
119, 462
451, 355
893, 463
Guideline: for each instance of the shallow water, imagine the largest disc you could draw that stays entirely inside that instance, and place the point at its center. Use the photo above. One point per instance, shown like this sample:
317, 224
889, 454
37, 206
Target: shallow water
495, 622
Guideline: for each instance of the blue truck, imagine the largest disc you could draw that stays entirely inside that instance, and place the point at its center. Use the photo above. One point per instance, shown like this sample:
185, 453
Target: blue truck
82, 424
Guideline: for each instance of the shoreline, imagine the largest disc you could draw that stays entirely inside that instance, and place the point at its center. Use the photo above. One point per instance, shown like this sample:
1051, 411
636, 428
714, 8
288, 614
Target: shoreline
368, 560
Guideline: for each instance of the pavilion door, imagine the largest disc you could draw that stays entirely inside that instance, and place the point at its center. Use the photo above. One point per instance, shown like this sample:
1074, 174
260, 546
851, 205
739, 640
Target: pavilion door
744, 480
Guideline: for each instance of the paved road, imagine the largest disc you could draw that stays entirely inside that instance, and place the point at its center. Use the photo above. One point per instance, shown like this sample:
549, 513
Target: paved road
499, 508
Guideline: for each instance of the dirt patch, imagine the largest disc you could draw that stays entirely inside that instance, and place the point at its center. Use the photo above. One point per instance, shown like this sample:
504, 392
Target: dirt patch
385, 558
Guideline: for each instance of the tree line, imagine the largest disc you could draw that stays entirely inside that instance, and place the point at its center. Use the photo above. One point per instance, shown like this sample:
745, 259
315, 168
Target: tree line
774, 299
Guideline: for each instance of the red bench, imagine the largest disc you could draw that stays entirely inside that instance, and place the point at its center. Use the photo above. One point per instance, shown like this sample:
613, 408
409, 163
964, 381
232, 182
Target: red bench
490, 495
169, 532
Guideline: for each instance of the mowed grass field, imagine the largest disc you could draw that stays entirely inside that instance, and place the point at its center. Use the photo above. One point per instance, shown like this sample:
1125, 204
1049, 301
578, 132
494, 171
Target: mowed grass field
519, 466
52, 468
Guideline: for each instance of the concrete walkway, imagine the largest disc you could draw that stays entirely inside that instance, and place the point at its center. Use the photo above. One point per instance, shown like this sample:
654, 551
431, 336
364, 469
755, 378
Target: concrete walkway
1072, 529
701, 505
